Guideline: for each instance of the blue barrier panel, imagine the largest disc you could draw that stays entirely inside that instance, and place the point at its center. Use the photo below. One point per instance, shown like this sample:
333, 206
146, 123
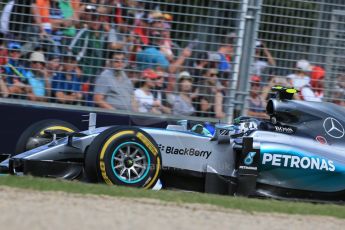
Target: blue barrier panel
15, 118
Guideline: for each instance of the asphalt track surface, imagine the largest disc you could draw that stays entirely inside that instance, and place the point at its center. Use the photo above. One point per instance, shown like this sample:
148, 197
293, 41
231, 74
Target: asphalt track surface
28, 209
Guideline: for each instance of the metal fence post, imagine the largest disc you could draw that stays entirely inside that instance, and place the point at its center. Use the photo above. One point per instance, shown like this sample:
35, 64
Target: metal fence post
245, 52
237, 60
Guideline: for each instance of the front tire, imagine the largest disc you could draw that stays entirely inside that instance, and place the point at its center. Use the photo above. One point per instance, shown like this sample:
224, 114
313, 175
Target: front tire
123, 156
34, 135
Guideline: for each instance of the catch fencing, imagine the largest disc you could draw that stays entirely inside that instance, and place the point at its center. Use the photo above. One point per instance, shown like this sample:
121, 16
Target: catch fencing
300, 44
209, 59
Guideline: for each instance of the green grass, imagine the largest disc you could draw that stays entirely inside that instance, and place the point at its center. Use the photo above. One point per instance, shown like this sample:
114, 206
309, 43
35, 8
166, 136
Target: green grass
228, 202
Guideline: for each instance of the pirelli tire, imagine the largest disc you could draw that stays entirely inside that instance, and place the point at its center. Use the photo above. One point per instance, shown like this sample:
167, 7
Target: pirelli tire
35, 134
123, 156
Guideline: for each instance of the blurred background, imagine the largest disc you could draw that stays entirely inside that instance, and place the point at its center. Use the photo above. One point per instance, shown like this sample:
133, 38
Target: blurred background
212, 60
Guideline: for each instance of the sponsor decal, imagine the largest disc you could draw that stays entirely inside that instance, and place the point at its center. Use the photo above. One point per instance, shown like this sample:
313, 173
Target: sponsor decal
283, 129
185, 151
321, 140
148, 143
249, 158
248, 167
333, 127
248, 161
290, 161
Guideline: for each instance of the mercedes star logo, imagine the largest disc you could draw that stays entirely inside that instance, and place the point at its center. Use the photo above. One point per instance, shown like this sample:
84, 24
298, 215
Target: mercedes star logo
333, 127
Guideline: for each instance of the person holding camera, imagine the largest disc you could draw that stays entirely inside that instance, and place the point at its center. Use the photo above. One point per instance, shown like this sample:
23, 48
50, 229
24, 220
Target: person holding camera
263, 60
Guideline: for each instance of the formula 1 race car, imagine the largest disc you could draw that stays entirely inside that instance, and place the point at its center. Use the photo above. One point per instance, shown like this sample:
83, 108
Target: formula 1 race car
299, 152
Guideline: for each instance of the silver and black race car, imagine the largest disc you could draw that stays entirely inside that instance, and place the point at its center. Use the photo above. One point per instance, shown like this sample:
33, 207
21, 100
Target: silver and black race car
298, 153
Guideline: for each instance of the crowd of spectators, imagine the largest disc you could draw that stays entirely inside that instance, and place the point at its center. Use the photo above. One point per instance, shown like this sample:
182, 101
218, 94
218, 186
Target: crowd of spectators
112, 54
119, 55
307, 78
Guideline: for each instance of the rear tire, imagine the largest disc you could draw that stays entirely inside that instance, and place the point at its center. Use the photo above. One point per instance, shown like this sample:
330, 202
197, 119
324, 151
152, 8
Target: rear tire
123, 156
36, 130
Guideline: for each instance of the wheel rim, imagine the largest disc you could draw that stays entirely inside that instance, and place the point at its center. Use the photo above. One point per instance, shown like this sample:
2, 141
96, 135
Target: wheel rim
130, 162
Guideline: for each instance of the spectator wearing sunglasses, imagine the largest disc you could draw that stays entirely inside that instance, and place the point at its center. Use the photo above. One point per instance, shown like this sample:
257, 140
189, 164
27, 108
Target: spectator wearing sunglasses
210, 100
183, 101
147, 103
37, 77
113, 89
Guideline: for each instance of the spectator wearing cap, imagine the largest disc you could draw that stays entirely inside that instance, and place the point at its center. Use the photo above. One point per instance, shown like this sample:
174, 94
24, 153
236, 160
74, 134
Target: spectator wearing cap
300, 80
147, 103
183, 101
148, 23
210, 99
66, 86
14, 72
86, 9
37, 77
109, 11
113, 89
159, 38
156, 20
256, 103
